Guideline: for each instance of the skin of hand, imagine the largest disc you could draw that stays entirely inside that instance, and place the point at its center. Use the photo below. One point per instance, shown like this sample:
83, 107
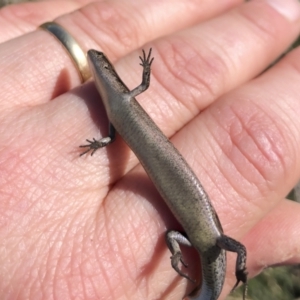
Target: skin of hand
93, 227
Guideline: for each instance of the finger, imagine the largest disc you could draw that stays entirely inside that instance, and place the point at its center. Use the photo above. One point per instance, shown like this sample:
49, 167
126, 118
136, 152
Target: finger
142, 24
45, 70
273, 241
18, 19
264, 139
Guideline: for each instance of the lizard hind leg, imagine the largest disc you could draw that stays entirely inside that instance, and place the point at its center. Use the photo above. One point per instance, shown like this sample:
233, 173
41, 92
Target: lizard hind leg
229, 244
174, 239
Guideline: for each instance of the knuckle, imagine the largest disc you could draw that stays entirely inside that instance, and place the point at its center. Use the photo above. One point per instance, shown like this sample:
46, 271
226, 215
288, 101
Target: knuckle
255, 144
120, 26
197, 73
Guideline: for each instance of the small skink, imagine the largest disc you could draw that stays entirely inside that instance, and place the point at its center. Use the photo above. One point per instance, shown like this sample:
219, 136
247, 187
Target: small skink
171, 175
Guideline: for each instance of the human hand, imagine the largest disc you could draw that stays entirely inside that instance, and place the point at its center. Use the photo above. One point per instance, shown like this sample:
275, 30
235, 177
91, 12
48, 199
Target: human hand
93, 227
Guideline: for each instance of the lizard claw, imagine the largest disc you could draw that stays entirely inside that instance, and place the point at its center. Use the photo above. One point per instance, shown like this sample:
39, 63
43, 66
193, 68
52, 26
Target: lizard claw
93, 145
174, 262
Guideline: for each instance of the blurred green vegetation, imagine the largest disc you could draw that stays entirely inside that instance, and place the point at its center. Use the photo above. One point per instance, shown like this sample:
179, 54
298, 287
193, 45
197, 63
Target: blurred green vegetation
280, 283
7, 2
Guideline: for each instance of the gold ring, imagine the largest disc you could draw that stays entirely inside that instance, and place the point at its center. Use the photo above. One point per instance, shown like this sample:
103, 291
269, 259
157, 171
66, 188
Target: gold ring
73, 49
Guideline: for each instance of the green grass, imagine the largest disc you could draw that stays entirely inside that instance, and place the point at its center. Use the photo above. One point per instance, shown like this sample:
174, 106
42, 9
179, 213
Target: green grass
281, 283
